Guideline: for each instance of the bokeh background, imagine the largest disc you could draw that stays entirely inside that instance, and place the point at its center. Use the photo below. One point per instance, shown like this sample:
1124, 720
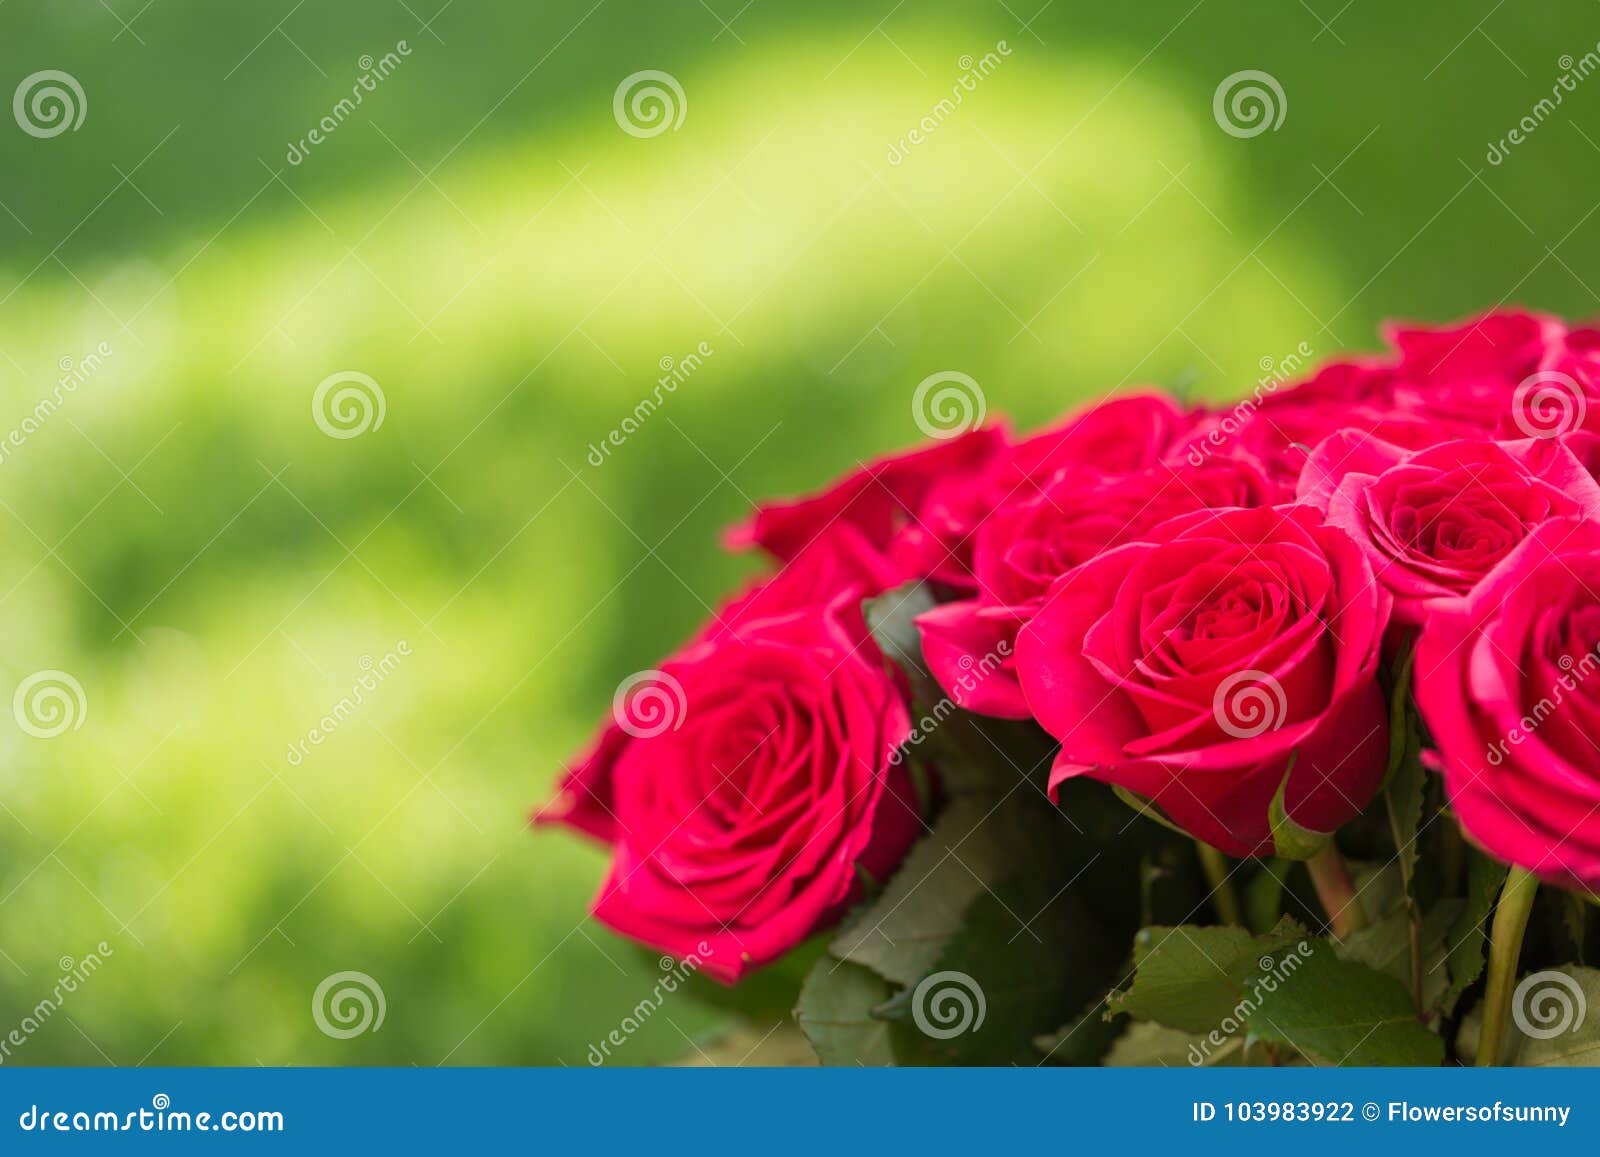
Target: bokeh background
483, 240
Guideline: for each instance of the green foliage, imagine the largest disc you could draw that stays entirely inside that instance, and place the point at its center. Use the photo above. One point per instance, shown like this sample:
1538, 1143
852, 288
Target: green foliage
1285, 988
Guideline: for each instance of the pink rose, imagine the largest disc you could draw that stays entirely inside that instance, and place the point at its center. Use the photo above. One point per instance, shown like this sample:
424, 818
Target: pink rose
885, 502
1129, 432
1032, 540
1464, 378
839, 564
1498, 346
1434, 522
743, 822
1279, 423
1198, 666
1505, 680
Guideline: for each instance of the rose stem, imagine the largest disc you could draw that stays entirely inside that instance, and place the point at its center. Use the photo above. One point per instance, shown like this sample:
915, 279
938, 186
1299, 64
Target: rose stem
1336, 890
1505, 948
1218, 871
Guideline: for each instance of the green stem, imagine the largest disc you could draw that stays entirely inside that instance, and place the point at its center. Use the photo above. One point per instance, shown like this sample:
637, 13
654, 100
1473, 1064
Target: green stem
1218, 871
1336, 890
1505, 949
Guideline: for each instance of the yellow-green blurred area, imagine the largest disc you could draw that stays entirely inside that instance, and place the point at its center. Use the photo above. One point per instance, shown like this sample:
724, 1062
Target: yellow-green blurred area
483, 239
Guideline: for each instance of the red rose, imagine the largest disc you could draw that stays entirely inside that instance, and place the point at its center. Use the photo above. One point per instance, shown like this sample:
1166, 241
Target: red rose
1035, 538
1464, 379
742, 824
1126, 433
1434, 522
884, 501
1508, 682
1193, 666
1278, 424
839, 564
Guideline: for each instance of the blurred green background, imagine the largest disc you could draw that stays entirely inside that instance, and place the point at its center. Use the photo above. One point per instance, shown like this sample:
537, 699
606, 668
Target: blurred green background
482, 238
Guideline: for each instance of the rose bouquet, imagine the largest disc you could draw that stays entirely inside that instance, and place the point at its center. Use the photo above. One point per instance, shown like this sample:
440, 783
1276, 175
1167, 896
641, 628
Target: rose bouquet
1261, 733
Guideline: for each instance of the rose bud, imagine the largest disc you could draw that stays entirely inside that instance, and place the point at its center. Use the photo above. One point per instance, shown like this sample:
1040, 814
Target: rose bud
1433, 522
1506, 680
768, 782
1225, 656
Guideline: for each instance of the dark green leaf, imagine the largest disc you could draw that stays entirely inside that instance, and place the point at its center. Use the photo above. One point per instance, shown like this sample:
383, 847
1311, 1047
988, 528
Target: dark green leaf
972, 846
1284, 987
891, 619
1465, 943
835, 1013
1022, 962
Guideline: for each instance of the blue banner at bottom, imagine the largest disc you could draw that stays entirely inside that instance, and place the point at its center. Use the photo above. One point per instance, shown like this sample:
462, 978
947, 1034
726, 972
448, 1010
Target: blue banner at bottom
779, 1111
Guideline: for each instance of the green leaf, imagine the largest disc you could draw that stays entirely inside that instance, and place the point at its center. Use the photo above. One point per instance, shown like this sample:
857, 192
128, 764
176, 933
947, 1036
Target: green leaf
1385, 946
1285, 988
891, 620
972, 846
1149, 1045
1402, 791
1464, 945
835, 1014
1022, 962
1191, 977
